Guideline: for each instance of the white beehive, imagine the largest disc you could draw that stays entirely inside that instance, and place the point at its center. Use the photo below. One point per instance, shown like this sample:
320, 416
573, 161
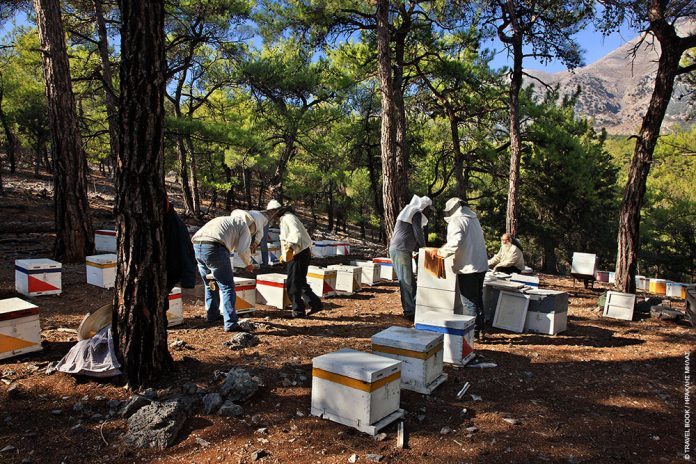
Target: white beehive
547, 312
619, 305
676, 290
458, 333
20, 329
105, 240
331, 248
642, 283
420, 352
271, 290
273, 253
245, 290
435, 294
322, 281
101, 270
347, 278
427, 280
175, 313
370, 272
358, 389
342, 248
320, 249
34, 277
237, 262
584, 265
273, 235
491, 292
525, 279
386, 268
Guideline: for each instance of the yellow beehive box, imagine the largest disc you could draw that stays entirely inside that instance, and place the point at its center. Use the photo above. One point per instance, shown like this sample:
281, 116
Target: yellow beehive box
322, 281
101, 270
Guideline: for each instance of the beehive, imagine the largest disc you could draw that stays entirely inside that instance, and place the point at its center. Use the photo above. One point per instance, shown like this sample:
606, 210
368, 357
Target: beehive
331, 248
602, 276
619, 305
420, 352
322, 281
238, 263
491, 293
274, 253
642, 283
101, 270
347, 278
525, 279
320, 249
386, 268
436, 294
676, 290
342, 248
457, 331
105, 240
245, 290
547, 312
271, 290
175, 313
584, 265
658, 286
370, 272
20, 329
612, 277
357, 389
35, 277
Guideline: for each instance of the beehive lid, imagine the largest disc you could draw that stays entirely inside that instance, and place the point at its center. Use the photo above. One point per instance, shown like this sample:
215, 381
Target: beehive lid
383, 260
504, 285
365, 263
108, 258
438, 319
244, 281
344, 267
274, 277
357, 365
321, 271
407, 339
105, 232
41, 263
543, 292
13, 308
175, 291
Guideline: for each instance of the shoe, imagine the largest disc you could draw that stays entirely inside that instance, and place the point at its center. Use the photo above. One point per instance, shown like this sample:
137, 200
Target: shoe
409, 317
214, 321
316, 308
235, 328
297, 314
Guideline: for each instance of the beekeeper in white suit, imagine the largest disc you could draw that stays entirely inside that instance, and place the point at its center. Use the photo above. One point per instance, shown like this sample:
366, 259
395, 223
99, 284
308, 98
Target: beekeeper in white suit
407, 237
465, 241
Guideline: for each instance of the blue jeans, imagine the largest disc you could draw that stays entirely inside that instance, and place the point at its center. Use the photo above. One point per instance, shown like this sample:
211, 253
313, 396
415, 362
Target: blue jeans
264, 246
215, 260
403, 266
471, 295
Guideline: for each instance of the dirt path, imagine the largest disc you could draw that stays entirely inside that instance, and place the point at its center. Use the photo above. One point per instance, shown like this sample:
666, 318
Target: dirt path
604, 391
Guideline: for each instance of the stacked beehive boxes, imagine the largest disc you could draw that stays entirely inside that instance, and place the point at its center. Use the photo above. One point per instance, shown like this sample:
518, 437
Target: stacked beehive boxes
434, 294
271, 290
245, 290
348, 278
175, 313
101, 270
387, 271
547, 312
370, 274
458, 332
105, 240
322, 281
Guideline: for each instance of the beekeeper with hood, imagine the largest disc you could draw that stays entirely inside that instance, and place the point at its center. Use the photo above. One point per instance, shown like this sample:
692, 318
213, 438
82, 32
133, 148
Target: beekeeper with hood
212, 245
295, 245
407, 237
465, 241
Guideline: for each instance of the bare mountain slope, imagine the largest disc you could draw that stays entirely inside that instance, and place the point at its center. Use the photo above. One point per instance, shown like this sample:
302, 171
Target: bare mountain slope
616, 89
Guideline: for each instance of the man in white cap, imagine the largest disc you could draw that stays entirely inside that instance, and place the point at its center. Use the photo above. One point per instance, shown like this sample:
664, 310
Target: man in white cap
465, 241
295, 245
408, 236
212, 245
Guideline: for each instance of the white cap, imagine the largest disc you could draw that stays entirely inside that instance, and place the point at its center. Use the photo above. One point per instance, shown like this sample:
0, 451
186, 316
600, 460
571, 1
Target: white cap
452, 205
273, 204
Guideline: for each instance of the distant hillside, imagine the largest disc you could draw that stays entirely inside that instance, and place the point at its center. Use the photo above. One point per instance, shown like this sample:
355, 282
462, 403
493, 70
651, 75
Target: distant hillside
616, 89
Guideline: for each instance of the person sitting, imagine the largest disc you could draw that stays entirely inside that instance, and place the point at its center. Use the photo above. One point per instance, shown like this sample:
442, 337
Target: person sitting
509, 259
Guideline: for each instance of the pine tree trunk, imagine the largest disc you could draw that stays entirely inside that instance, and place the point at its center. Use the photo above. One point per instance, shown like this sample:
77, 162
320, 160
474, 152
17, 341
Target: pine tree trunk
140, 328
634, 194
391, 191
276, 183
111, 100
74, 239
247, 187
330, 208
511, 218
9, 135
183, 174
195, 191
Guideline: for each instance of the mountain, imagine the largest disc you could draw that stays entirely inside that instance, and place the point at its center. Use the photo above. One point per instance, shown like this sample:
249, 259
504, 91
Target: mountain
616, 89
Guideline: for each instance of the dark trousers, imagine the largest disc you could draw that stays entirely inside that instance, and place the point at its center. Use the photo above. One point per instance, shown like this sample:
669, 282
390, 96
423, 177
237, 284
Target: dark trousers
297, 283
471, 293
508, 269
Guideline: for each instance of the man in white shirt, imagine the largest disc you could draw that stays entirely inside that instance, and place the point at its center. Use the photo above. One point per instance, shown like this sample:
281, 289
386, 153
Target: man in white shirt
295, 245
509, 259
465, 241
212, 245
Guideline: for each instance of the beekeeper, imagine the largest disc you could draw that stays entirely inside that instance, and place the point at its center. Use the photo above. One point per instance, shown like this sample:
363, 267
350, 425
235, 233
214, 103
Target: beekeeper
263, 221
408, 236
465, 241
509, 259
295, 245
212, 245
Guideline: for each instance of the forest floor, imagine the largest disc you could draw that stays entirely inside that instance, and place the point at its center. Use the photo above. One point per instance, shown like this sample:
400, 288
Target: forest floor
603, 391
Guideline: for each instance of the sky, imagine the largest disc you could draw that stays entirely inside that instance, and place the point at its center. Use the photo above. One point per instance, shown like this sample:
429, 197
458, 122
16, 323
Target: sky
590, 40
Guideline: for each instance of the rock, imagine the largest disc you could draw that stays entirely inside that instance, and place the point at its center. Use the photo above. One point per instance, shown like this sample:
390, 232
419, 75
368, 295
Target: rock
99, 398
256, 455
262, 430
97, 417
150, 394
238, 385
190, 388
187, 402
202, 442
256, 419
57, 412
8, 449
177, 345
445, 430
353, 458
13, 391
299, 413
156, 425
229, 409
421, 417
512, 421
247, 326
472, 429
27, 461
211, 403
133, 405
77, 429
380, 436
114, 404
78, 407
242, 340
476, 397
374, 457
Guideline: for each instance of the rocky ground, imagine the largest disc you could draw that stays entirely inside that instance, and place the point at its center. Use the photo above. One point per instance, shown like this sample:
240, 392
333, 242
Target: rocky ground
604, 391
